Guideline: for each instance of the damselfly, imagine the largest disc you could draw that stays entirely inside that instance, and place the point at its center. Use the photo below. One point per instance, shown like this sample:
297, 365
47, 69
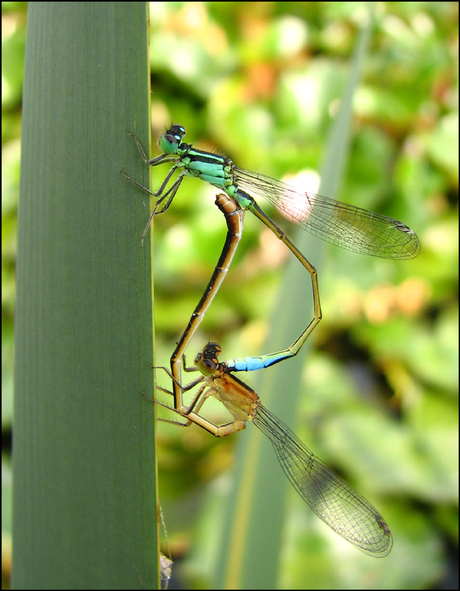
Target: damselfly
343, 509
341, 224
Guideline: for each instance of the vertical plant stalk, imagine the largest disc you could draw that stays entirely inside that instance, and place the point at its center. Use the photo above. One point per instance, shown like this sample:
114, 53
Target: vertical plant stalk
84, 497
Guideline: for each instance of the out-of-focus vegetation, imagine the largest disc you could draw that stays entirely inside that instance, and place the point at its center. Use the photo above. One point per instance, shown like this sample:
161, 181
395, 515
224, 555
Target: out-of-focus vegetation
261, 82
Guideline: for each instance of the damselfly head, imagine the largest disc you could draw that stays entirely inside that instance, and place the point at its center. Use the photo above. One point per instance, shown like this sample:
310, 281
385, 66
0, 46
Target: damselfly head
171, 140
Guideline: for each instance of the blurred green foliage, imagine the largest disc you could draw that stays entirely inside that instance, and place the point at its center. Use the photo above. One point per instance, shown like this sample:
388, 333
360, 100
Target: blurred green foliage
261, 82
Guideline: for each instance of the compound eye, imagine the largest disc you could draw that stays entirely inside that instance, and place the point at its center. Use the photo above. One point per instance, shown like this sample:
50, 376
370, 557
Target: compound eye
171, 139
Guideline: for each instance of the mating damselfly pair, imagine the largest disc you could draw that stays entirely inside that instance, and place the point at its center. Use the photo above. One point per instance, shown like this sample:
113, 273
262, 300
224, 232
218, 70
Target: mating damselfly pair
350, 227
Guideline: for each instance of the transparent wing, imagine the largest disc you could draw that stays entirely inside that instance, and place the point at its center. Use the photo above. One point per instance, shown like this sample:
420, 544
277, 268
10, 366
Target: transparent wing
340, 224
337, 504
